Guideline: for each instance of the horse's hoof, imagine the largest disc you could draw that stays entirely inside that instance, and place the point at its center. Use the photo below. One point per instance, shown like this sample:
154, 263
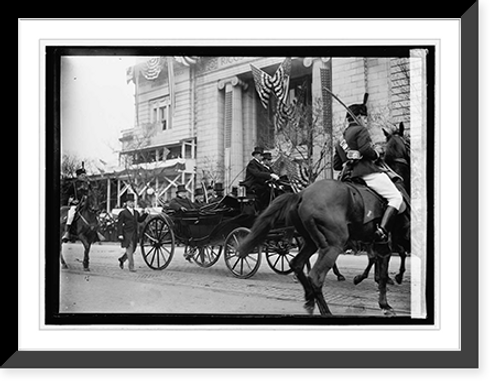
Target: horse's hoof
86, 269
358, 279
389, 312
309, 308
64, 266
399, 278
390, 282
340, 278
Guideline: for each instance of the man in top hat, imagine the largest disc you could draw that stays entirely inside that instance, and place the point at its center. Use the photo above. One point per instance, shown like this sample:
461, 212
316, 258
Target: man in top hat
266, 160
256, 175
78, 191
127, 229
355, 151
218, 193
181, 202
199, 198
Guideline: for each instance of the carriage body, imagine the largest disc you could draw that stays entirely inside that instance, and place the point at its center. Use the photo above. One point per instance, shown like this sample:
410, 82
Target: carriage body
212, 230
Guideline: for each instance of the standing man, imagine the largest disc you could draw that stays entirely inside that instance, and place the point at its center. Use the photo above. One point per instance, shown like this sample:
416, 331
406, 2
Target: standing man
256, 175
127, 229
355, 151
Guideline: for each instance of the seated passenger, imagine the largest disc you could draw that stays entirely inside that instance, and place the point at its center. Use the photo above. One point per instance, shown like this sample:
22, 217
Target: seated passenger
181, 202
199, 198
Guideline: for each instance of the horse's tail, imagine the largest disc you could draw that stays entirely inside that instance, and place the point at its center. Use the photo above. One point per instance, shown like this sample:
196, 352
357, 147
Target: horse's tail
279, 210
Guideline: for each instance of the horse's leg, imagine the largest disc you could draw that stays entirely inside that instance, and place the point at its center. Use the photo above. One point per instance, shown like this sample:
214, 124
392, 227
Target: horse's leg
359, 278
402, 269
337, 273
86, 246
381, 275
371, 261
61, 257
326, 260
297, 264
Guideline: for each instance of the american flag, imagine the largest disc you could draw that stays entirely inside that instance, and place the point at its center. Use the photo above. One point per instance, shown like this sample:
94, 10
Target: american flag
187, 61
265, 84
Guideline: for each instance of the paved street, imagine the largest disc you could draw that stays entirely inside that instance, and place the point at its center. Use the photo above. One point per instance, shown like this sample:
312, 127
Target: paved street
187, 288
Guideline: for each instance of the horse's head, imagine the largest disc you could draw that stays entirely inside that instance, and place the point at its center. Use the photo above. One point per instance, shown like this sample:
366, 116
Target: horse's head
397, 145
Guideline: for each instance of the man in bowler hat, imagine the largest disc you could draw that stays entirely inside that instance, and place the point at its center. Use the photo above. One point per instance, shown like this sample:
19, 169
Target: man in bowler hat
127, 229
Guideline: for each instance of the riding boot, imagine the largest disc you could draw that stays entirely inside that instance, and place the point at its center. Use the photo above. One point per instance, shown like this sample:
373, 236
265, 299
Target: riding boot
65, 237
382, 232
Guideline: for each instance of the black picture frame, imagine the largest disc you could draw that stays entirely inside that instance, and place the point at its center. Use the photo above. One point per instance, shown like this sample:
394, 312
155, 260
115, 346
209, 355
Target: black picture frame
467, 357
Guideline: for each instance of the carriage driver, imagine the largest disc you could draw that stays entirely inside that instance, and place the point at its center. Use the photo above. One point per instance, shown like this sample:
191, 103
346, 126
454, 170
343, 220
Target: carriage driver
356, 149
79, 190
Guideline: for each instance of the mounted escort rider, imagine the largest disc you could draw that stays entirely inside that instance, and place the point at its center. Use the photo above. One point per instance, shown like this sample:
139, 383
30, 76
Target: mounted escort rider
78, 192
356, 156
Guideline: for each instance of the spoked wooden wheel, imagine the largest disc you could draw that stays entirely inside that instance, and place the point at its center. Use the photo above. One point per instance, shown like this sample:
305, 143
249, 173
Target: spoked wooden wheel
204, 256
280, 252
241, 267
157, 243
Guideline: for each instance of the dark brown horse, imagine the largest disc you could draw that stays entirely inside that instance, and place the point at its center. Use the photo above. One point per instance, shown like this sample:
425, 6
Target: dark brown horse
84, 229
323, 215
397, 157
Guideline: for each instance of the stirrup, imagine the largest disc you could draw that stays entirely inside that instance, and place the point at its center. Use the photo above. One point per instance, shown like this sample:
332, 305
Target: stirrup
381, 234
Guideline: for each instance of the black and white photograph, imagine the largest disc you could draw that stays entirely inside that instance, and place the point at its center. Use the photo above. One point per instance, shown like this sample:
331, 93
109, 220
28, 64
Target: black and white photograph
285, 187
270, 198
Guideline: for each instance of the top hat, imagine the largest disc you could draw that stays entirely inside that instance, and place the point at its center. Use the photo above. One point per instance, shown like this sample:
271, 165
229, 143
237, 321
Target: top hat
198, 191
257, 150
359, 109
218, 187
267, 156
130, 197
181, 188
80, 171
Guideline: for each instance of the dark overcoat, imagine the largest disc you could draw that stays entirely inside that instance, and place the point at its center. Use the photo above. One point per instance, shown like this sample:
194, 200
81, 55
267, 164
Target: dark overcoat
177, 203
128, 226
256, 175
357, 138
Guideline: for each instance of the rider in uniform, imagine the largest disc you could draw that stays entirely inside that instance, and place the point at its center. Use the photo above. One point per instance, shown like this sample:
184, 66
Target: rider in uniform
356, 152
78, 191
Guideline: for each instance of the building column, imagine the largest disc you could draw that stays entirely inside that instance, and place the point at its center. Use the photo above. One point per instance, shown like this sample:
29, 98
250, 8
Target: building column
233, 131
321, 76
418, 164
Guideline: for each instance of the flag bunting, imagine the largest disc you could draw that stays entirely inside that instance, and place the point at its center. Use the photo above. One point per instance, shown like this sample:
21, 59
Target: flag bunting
265, 84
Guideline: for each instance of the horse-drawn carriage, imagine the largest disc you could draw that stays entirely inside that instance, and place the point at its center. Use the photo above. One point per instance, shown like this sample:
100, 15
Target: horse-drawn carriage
216, 230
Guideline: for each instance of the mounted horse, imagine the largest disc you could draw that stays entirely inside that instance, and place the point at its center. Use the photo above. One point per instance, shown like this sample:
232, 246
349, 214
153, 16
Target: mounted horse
397, 157
330, 214
83, 228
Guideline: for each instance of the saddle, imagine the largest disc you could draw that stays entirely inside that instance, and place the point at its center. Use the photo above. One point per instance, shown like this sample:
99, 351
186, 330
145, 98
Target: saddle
370, 203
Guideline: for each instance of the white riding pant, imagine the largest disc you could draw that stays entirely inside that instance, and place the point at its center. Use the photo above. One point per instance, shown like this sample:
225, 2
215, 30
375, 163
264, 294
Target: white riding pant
71, 215
382, 184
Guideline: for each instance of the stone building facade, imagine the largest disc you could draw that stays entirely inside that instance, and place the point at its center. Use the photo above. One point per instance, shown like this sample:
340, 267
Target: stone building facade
199, 121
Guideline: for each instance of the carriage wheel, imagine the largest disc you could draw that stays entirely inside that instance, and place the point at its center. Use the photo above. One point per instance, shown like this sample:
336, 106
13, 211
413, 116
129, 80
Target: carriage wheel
280, 252
204, 256
241, 267
157, 243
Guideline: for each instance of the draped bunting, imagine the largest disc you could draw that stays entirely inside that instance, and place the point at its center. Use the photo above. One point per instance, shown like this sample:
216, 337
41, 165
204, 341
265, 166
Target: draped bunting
152, 68
187, 61
265, 84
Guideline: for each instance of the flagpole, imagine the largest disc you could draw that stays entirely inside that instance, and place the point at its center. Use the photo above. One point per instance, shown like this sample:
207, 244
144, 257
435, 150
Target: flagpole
347, 108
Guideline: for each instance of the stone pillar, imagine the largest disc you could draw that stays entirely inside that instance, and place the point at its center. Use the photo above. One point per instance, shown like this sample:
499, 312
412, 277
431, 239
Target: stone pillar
233, 131
418, 126
322, 139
